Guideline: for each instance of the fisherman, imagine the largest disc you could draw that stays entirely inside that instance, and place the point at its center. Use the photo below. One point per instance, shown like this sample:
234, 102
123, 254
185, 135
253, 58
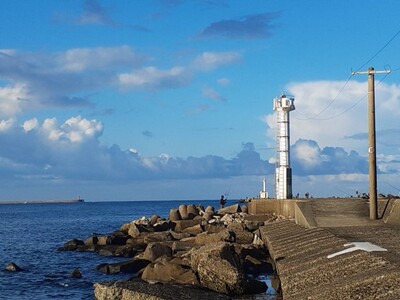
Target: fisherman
222, 201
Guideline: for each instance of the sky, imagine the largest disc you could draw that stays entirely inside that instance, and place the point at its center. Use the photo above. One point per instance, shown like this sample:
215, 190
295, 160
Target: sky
172, 99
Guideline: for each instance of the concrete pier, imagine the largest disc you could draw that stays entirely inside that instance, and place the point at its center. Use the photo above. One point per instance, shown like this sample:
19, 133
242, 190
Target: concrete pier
300, 251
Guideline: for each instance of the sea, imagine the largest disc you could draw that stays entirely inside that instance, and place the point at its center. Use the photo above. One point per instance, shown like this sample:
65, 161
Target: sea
30, 235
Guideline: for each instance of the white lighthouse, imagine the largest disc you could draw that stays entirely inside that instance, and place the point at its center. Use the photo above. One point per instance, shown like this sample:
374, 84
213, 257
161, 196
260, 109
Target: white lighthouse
283, 173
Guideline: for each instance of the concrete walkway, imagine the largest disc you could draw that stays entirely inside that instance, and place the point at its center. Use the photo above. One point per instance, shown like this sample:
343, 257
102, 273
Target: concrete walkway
301, 254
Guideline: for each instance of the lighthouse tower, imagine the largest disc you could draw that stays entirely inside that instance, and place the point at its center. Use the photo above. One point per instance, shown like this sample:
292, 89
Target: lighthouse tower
283, 173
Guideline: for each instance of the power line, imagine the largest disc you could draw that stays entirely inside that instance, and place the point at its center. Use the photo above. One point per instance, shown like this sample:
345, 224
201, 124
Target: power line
314, 117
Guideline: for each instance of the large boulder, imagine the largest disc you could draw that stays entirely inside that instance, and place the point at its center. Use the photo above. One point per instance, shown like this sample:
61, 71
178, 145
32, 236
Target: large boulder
168, 272
232, 209
183, 211
242, 236
192, 211
207, 238
218, 268
155, 250
194, 230
136, 229
120, 251
180, 225
174, 215
130, 266
139, 289
72, 245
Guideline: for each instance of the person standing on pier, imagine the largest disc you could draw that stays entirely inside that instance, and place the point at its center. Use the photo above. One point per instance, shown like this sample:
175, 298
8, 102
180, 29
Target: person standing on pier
222, 201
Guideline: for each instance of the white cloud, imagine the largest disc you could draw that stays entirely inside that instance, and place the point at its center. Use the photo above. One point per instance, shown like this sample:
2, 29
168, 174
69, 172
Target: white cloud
30, 124
82, 59
211, 60
13, 99
151, 77
331, 117
5, 125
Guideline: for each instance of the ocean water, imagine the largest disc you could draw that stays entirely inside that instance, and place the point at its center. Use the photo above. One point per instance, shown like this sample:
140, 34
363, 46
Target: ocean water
31, 233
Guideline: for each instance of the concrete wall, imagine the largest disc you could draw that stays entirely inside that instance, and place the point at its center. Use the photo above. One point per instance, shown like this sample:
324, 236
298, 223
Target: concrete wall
299, 210
392, 212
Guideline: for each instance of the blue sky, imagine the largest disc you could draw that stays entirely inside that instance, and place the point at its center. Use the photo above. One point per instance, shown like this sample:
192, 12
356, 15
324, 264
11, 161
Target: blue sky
172, 99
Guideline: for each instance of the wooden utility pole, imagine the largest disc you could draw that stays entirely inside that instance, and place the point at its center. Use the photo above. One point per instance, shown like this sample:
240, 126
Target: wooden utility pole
373, 201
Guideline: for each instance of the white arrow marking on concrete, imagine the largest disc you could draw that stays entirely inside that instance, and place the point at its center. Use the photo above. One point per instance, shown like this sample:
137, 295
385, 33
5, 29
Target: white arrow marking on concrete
365, 246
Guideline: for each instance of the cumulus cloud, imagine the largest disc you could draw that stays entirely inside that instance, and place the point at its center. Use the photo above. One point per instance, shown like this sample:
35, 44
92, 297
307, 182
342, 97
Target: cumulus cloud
153, 78
72, 151
331, 116
35, 80
309, 159
248, 27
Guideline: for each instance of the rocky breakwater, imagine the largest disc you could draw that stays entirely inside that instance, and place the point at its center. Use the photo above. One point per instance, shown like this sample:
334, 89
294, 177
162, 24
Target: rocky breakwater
209, 253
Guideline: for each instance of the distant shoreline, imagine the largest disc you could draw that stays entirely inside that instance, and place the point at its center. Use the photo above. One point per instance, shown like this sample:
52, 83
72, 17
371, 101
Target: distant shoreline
41, 201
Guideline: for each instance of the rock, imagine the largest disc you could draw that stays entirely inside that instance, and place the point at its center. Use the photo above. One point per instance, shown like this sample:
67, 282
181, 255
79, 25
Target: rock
257, 267
155, 250
209, 209
179, 235
136, 229
117, 239
138, 289
241, 235
174, 215
192, 211
130, 266
120, 251
182, 246
208, 216
13, 267
92, 240
76, 273
102, 240
167, 272
222, 236
244, 209
229, 209
253, 225
72, 245
153, 219
158, 237
217, 267
214, 228
183, 211
163, 226
182, 224
193, 230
